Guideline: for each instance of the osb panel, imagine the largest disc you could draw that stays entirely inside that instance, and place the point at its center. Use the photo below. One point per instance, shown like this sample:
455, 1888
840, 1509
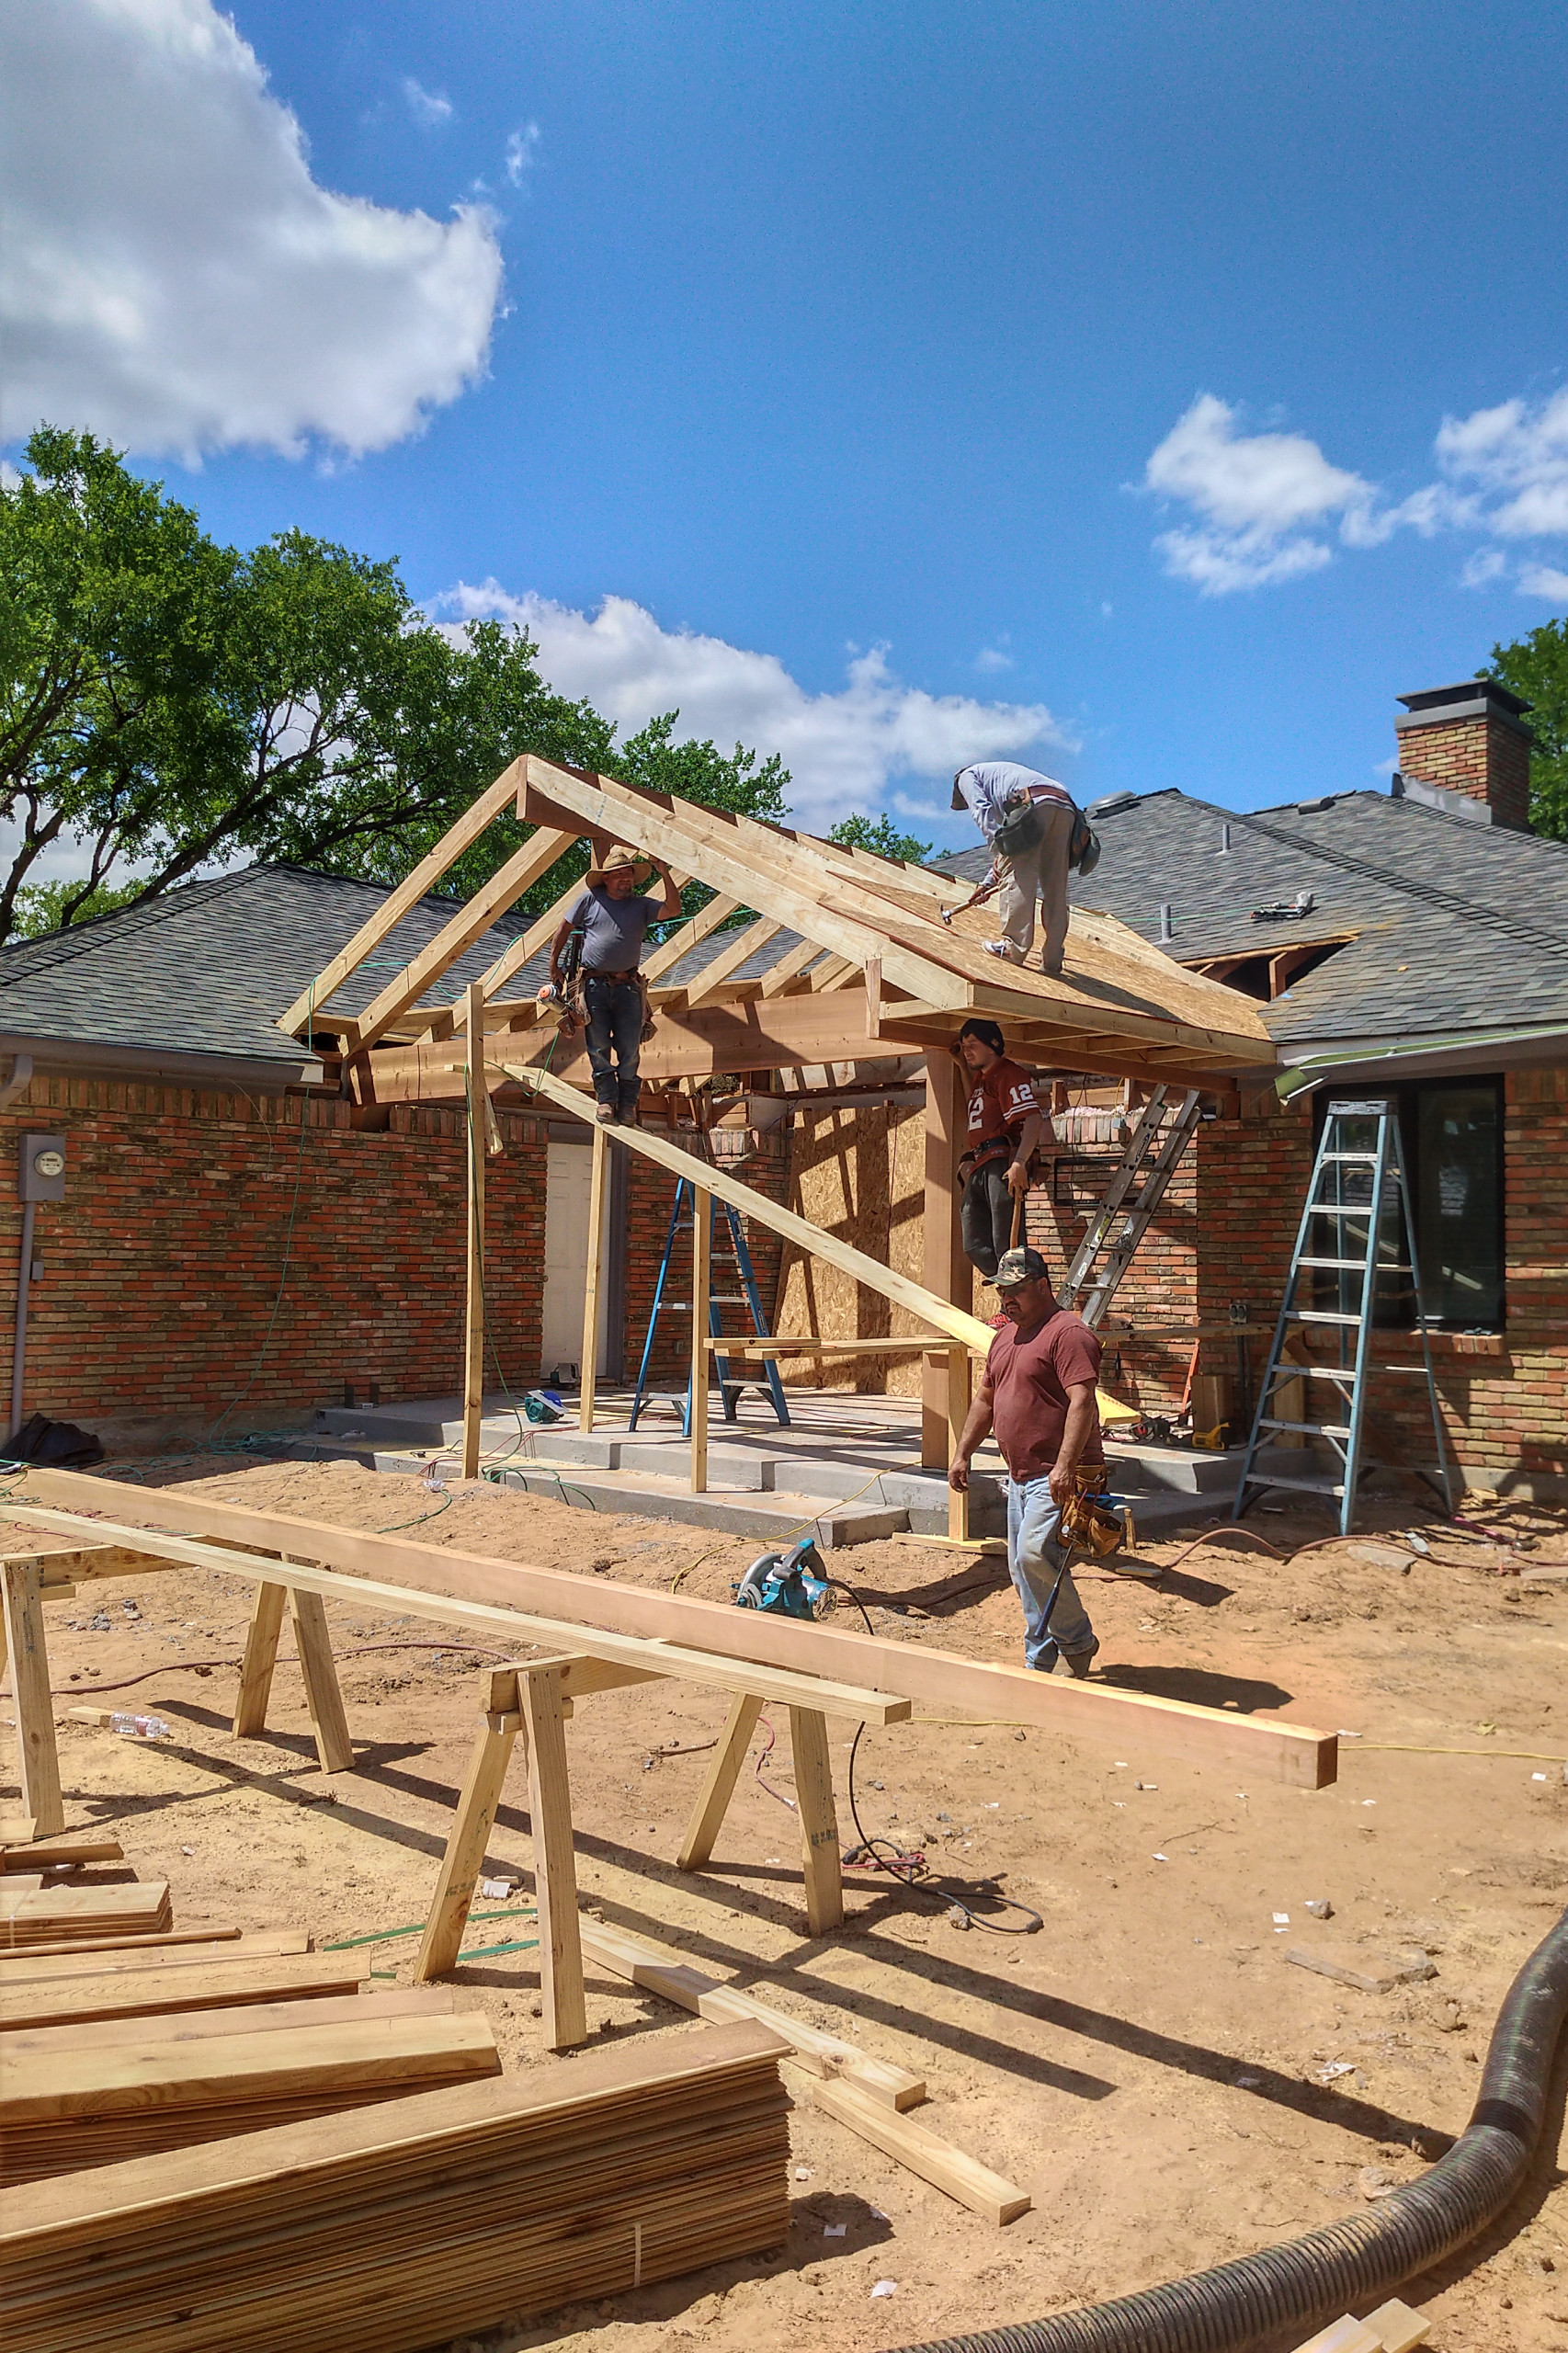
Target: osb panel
861, 1175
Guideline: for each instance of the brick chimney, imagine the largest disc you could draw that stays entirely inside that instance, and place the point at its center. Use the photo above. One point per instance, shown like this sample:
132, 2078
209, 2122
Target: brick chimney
1470, 739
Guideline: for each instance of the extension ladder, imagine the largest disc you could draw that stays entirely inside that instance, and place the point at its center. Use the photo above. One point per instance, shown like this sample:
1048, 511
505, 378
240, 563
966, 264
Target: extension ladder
683, 1220
1352, 1189
1148, 1163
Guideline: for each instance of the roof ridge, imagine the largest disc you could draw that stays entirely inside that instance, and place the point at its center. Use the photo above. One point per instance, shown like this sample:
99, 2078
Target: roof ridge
73, 939
1453, 900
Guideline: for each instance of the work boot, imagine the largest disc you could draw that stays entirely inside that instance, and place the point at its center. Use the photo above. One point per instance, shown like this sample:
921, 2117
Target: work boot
1078, 1662
1003, 948
605, 1114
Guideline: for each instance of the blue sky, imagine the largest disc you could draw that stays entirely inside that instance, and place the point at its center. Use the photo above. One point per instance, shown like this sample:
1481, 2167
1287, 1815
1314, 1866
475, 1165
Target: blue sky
834, 334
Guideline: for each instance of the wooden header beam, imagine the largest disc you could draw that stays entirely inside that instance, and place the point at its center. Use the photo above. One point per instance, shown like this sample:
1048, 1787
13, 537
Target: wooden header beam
1291, 1752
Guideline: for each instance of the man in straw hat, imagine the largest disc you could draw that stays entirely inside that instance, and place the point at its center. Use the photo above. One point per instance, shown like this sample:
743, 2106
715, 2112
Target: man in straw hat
613, 921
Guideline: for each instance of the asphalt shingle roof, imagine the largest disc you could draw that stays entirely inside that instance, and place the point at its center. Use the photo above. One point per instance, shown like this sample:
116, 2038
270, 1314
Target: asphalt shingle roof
1454, 925
207, 969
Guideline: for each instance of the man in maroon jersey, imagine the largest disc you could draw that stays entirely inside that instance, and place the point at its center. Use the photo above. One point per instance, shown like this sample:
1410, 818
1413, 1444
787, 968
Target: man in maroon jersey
1039, 1394
1005, 1127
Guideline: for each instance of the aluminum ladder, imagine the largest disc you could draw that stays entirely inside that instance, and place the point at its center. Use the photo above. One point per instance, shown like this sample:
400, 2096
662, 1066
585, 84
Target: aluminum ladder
1152, 1155
683, 1220
1352, 1187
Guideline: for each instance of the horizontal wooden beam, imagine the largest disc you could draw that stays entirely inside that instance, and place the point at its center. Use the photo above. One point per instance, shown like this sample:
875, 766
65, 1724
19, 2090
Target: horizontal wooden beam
1289, 1753
813, 1239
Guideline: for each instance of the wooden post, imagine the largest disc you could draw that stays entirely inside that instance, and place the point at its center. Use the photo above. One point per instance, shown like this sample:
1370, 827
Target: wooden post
590, 1361
819, 1821
471, 1830
701, 1263
36, 1757
322, 1696
958, 1383
556, 1869
474, 1326
260, 1658
946, 1269
719, 1783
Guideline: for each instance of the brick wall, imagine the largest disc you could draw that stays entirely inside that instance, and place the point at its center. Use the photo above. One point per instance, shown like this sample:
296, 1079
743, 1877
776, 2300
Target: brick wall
1484, 757
160, 1295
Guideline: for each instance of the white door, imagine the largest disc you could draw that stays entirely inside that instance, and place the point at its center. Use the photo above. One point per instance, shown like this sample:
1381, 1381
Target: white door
566, 1259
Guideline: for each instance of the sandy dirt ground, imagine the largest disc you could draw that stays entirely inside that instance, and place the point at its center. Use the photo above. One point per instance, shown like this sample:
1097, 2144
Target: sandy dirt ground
1145, 2062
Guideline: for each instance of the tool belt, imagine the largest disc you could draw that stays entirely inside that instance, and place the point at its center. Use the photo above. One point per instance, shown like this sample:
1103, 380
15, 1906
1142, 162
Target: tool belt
995, 1148
1086, 1523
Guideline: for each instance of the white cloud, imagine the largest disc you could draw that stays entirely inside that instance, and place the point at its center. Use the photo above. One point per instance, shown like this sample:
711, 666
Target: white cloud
992, 658
1269, 506
430, 109
1483, 566
522, 148
173, 277
1516, 455
1541, 580
842, 749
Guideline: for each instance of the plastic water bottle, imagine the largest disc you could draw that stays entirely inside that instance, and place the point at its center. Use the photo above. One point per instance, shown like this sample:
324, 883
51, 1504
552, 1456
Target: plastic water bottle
139, 1727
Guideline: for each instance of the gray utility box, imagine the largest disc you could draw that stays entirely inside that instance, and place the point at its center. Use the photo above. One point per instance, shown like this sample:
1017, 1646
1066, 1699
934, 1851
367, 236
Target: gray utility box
40, 1174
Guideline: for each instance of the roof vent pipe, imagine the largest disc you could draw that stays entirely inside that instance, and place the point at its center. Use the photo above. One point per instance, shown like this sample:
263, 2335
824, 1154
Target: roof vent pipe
1166, 932
1224, 835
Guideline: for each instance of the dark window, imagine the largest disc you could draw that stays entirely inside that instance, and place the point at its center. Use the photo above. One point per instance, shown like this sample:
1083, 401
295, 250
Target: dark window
1451, 1136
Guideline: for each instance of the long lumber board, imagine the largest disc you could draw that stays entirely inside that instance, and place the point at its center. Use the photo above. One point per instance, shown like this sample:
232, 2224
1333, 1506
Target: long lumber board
252, 2017
912, 2144
115, 1994
487, 1586
187, 1948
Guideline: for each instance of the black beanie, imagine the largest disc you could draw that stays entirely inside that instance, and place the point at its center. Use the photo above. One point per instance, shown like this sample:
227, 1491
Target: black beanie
988, 1034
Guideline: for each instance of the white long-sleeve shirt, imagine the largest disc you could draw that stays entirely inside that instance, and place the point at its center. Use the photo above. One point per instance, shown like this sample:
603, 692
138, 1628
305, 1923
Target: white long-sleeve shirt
987, 786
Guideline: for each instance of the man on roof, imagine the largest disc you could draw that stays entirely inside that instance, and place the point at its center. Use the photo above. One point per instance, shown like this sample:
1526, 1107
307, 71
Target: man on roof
1029, 821
612, 920
1006, 1124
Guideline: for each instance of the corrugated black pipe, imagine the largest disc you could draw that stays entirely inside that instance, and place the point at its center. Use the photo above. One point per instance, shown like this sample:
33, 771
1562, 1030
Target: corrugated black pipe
1352, 2264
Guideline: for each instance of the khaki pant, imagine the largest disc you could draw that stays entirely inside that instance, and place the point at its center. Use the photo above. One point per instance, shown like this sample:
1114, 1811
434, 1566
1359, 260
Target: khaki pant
1041, 875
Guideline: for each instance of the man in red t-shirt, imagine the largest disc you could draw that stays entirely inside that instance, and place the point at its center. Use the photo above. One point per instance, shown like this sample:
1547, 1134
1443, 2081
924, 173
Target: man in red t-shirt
1005, 1126
1037, 1393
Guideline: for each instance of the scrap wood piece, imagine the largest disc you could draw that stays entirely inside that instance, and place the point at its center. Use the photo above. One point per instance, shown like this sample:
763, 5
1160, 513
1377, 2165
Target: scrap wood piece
43, 1917
1394, 2327
656, 1971
389, 2229
62, 2111
676, 1631
146, 1992
1393, 1973
914, 2144
57, 1854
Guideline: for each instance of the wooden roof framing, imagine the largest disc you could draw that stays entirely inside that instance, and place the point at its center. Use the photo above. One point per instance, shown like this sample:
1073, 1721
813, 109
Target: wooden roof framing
873, 968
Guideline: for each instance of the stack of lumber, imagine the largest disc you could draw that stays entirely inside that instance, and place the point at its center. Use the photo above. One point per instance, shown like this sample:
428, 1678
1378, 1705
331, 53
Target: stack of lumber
69, 2098
59, 1990
424, 2219
33, 1914
32, 1854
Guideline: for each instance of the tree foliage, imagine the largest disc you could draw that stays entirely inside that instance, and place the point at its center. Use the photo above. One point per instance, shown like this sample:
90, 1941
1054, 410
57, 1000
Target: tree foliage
882, 835
1537, 668
168, 705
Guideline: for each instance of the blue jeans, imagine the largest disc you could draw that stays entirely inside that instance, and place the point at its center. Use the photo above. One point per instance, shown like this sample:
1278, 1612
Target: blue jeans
613, 1003
1034, 1562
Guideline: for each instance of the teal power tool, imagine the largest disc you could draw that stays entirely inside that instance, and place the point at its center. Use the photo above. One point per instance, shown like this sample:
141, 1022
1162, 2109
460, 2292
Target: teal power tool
785, 1583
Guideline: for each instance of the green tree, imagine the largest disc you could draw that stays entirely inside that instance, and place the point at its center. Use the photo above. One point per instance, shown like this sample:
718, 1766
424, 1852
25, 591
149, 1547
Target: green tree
168, 704
855, 831
1537, 668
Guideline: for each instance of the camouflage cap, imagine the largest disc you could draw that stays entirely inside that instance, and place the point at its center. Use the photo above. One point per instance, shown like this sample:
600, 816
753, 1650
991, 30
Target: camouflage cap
1016, 1267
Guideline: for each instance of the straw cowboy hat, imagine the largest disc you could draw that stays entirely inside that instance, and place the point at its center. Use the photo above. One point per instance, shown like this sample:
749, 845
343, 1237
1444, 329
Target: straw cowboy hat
614, 860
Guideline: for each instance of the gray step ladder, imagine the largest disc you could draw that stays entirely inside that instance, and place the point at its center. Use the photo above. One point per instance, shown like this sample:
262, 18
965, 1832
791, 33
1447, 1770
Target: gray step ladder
1150, 1159
1354, 1185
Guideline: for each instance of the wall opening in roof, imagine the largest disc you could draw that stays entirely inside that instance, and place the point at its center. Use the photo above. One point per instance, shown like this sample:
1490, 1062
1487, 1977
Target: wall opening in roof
1265, 973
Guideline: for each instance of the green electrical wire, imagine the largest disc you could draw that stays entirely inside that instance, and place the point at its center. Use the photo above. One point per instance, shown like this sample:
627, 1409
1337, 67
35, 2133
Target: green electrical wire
384, 1936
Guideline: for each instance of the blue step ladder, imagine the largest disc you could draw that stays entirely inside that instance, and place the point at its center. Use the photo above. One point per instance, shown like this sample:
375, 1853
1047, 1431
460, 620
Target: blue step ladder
1358, 1180
683, 1220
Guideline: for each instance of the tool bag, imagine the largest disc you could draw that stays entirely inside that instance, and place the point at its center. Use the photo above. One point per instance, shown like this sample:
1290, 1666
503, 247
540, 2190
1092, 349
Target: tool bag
1023, 829
1088, 1523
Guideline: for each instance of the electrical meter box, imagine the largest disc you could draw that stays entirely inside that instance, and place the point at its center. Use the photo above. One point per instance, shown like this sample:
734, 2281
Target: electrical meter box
41, 1173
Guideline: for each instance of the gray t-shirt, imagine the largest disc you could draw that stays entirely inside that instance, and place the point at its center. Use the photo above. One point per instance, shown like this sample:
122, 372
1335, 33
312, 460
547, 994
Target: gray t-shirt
987, 784
613, 929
